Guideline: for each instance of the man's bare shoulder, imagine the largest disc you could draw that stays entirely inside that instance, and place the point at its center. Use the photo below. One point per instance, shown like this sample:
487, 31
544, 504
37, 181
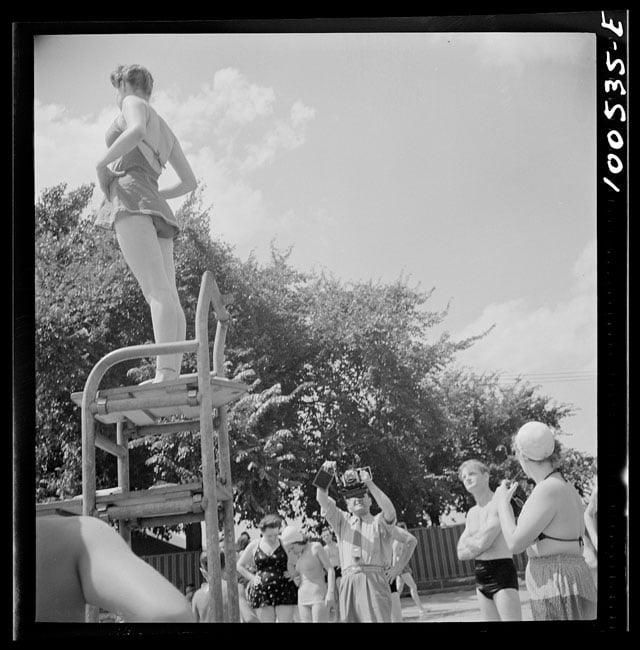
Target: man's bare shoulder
201, 596
473, 512
70, 530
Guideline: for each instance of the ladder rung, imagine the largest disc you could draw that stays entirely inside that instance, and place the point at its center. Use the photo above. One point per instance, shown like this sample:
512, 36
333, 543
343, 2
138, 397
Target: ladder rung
166, 507
142, 431
145, 402
169, 520
106, 500
144, 405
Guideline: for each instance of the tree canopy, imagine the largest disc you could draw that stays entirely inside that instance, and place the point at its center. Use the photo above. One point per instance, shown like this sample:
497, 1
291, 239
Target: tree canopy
337, 371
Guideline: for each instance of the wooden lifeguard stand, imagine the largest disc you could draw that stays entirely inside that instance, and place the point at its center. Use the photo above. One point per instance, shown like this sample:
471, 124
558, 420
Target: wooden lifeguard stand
138, 411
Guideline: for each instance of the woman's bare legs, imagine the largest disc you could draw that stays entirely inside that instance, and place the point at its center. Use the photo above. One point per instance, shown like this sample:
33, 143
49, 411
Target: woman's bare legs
285, 613
407, 578
151, 261
305, 614
320, 612
166, 246
266, 614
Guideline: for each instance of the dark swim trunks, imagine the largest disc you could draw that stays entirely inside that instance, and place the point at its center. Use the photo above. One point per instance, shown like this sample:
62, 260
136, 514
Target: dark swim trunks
494, 575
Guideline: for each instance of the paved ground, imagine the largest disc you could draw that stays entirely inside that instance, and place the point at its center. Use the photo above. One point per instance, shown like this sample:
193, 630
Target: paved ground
453, 606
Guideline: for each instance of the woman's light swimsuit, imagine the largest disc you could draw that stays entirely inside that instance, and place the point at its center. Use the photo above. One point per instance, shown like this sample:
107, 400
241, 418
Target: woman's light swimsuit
136, 191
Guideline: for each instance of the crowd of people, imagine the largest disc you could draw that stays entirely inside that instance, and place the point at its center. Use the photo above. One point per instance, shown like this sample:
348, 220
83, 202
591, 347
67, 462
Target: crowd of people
355, 570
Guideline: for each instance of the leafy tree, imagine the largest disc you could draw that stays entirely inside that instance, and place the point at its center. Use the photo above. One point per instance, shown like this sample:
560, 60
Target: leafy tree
88, 304
483, 415
350, 372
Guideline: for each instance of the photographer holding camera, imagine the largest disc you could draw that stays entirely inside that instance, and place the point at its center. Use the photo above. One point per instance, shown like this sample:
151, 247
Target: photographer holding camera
365, 544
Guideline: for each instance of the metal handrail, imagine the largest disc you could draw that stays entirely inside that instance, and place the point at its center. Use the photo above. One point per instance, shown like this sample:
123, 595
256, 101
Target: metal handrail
209, 295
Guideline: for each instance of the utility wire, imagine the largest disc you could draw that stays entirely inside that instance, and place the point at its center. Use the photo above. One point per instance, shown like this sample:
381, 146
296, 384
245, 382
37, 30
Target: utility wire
548, 377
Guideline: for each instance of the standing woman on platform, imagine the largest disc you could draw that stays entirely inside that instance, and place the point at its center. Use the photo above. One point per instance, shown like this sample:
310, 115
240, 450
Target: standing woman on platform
551, 528
265, 564
140, 143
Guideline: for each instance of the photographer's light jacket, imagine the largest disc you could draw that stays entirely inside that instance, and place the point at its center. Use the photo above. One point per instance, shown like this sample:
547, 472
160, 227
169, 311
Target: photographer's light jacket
363, 541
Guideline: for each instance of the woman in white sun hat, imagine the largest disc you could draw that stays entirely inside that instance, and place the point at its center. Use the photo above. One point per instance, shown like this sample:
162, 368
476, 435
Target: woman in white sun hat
315, 594
551, 529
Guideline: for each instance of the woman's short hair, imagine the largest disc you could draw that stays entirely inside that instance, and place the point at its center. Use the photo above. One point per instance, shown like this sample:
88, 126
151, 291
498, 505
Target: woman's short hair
270, 521
138, 77
473, 462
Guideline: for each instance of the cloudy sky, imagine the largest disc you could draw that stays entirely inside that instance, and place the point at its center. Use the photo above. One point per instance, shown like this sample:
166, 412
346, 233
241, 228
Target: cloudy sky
464, 162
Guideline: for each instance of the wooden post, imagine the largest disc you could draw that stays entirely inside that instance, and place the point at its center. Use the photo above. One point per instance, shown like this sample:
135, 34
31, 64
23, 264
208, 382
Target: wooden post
92, 613
228, 519
122, 439
225, 479
184, 508
216, 611
89, 395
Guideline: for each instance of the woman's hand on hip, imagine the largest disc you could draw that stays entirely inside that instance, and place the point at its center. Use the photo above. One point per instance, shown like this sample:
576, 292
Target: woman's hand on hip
106, 177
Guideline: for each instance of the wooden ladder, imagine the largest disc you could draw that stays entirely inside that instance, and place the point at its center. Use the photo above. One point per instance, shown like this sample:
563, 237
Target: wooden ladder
136, 411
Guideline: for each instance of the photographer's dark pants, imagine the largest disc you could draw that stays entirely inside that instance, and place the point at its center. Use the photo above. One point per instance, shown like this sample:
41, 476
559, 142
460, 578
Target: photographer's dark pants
365, 595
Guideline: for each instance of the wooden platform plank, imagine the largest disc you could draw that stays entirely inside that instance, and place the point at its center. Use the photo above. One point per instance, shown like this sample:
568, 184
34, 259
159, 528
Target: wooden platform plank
189, 381
168, 494
224, 391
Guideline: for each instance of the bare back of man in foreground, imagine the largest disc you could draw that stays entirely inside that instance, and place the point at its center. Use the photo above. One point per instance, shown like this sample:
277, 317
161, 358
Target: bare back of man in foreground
83, 561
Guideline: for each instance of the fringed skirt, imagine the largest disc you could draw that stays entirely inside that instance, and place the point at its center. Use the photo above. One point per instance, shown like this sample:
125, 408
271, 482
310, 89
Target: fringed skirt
561, 588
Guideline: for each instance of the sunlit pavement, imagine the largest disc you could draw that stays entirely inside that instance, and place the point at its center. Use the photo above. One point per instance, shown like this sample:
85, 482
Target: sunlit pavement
453, 606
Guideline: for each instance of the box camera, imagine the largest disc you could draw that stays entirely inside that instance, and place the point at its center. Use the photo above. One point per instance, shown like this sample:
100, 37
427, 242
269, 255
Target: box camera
518, 498
352, 482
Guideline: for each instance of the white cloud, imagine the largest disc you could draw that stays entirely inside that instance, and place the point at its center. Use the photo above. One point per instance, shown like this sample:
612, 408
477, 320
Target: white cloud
515, 49
530, 338
285, 135
66, 148
228, 129
238, 208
